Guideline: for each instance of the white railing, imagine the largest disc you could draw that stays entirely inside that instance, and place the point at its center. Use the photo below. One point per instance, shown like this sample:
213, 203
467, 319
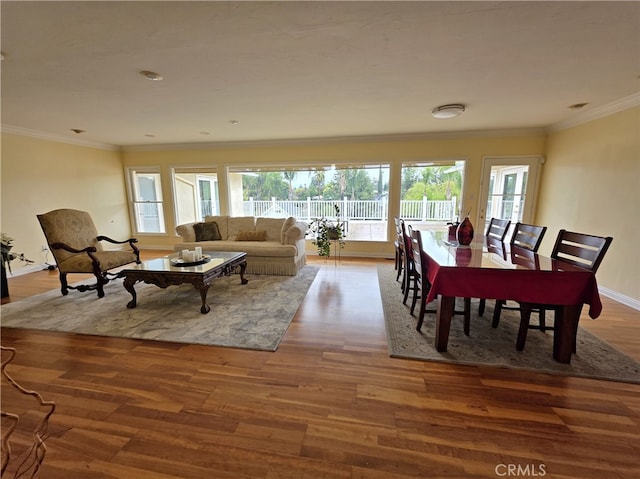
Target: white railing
372, 210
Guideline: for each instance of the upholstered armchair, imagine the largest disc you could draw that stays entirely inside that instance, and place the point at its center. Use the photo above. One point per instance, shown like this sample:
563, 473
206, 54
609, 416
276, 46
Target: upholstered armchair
75, 245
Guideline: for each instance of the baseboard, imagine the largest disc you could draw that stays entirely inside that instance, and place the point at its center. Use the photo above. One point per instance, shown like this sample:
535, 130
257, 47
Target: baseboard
620, 298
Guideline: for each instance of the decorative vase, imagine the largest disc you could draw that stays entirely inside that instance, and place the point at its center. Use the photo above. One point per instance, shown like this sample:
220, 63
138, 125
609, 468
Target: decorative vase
453, 228
465, 232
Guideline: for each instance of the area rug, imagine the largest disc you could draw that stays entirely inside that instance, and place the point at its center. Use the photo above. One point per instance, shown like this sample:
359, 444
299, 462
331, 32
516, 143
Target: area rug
487, 346
252, 316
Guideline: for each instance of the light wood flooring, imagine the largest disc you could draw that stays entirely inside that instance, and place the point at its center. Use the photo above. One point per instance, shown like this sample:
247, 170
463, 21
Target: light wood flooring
329, 403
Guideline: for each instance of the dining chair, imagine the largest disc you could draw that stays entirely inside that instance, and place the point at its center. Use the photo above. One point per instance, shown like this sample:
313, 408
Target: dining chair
498, 229
421, 279
399, 248
423, 285
525, 237
409, 282
496, 232
577, 249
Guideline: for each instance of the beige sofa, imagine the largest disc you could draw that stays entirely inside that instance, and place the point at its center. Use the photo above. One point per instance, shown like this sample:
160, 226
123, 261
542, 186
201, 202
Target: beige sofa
274, 246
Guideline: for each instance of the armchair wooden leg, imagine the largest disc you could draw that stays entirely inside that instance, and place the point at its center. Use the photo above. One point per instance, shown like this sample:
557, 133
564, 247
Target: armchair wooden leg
481, 306
64, 286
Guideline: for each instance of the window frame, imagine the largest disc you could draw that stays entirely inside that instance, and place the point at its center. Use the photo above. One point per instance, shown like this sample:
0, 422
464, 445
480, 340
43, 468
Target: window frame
133, 192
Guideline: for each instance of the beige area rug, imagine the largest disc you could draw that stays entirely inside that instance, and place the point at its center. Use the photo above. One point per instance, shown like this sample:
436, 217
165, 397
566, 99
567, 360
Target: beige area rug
251, 316
486, 346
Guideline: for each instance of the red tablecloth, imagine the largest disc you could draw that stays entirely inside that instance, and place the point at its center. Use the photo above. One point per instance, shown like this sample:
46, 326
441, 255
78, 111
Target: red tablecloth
474, 273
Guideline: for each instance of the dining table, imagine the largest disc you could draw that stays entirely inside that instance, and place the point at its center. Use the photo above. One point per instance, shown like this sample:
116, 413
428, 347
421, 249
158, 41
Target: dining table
490, 269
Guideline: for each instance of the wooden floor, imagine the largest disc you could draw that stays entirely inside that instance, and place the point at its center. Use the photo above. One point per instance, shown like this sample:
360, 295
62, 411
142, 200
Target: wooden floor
329, 403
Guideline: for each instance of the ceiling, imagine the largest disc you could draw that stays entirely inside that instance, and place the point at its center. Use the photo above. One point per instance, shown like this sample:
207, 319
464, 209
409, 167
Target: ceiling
300, 70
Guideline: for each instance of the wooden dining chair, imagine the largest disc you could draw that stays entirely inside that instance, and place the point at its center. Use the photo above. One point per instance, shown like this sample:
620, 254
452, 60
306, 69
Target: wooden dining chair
525, 237
422, 280
399, 249
497, 229
409, 282
496, 232
577, 249
424, 285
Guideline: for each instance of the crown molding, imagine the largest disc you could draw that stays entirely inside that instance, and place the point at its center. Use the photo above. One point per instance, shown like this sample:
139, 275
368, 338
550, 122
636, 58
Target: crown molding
17, 130
617, 106
338, 139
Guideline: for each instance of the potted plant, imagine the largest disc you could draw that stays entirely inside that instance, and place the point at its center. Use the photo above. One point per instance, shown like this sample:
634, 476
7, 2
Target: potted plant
326, 231
7, 255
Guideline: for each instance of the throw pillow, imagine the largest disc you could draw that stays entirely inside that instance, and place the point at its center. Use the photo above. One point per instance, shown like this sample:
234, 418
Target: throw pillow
288, 223
260, 235
207, 231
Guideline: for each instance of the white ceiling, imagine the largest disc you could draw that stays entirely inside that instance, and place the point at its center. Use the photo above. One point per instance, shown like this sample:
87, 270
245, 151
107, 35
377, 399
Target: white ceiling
297, 70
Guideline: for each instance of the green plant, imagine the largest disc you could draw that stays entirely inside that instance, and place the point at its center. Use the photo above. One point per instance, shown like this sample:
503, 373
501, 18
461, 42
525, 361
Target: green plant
326, 231
7, 255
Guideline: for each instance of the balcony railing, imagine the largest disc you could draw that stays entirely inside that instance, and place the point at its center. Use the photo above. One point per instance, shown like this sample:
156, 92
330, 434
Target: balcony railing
356, 210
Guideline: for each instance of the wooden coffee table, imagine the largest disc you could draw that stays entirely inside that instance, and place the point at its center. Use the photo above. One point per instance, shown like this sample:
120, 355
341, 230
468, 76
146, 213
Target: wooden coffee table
163, 273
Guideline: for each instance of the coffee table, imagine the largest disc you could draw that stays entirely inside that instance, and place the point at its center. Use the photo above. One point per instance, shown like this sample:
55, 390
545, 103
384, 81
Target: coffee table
163, 273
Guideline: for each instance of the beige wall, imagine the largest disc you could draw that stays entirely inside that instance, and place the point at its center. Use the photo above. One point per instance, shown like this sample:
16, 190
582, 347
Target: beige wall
40, 175
591, 184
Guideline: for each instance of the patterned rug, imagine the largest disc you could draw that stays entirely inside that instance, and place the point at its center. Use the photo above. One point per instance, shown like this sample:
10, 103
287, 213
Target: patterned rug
495, 347
251, 316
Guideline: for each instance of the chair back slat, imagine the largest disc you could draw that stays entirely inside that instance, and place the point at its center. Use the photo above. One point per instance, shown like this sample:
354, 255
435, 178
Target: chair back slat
527, 236
498, 228
583, 250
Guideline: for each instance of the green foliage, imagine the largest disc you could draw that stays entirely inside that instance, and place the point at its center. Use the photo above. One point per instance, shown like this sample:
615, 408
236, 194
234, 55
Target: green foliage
264, 186
325, 232
353, 183
432, 182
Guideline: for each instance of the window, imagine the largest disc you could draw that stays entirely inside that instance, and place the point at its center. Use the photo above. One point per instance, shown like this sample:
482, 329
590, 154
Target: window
146, 200
359, 191
430, 192
196, 194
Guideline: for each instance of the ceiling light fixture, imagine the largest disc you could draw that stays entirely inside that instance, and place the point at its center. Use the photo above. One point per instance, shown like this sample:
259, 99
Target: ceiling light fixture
149, 75
448, 111
234, 122
77, 131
